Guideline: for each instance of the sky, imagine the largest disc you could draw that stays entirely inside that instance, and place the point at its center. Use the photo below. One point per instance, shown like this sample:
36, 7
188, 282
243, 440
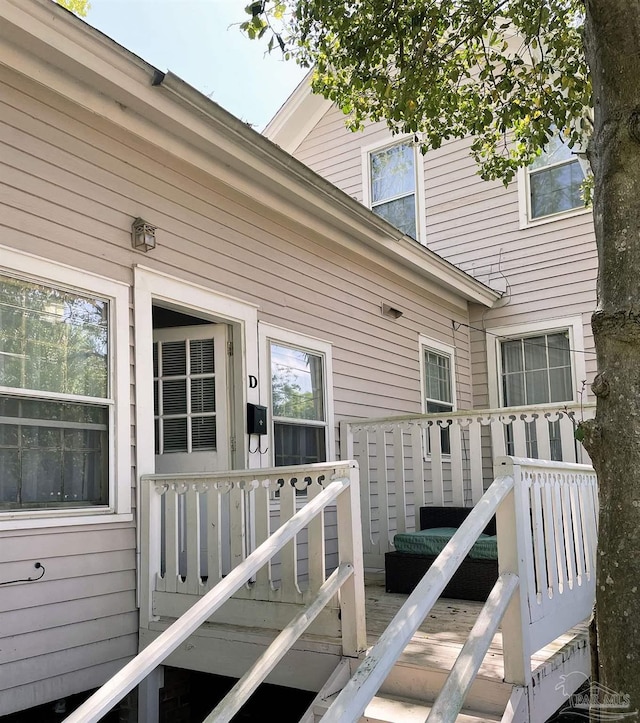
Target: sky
197, 41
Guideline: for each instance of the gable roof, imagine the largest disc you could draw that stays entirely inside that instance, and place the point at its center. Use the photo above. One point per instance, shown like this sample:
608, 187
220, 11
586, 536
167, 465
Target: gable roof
297, 116
42, 40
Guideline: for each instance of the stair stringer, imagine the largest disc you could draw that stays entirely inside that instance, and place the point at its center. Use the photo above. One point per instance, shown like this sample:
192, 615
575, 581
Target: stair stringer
335, 683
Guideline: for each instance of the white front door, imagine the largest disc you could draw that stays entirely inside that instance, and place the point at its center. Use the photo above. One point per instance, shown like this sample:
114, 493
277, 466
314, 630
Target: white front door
191, 414
191, 399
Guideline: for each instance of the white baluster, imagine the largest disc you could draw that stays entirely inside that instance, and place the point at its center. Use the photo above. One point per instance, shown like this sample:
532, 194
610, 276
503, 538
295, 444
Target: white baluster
457, 476
192, 533
475, 462
400, 478
171, 539
417, 457
437, 486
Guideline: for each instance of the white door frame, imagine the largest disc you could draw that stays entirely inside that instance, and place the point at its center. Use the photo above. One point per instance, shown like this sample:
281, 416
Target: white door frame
151, 286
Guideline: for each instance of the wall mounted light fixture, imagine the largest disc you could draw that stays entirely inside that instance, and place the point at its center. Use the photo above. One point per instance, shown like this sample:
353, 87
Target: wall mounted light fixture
143, 235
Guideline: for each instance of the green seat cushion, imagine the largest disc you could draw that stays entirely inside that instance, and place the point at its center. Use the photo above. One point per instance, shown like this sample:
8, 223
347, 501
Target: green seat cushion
433, 540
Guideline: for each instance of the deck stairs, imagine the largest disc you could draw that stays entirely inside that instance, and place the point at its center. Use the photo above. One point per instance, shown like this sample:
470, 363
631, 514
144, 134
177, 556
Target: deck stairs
406, 695
393, 668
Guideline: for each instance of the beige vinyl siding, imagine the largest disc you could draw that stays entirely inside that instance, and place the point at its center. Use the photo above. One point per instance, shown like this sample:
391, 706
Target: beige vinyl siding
209, 234
549, 269
66, 632
71, 185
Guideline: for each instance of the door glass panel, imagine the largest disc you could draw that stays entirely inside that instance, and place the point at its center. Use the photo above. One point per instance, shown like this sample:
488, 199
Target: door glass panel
203, 433
203, 395
185, 395
174, 396
201, 355
175, 435
174, 358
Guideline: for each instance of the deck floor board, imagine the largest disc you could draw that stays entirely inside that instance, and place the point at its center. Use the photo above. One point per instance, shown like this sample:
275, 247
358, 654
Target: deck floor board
438, 641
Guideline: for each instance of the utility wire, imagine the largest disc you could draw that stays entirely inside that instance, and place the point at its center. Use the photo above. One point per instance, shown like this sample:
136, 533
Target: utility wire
458, 324
38, 566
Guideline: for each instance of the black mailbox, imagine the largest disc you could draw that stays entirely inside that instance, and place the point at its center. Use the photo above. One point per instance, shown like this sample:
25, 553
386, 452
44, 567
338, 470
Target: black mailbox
256, 419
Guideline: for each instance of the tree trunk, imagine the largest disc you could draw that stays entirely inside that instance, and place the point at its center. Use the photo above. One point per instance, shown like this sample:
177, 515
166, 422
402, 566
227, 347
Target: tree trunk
612, 47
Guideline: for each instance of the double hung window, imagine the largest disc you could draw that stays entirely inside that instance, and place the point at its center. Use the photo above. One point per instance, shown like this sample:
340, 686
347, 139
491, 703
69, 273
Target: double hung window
537, 370
438, 384
392, 186
298, 403
554, 181
55, 397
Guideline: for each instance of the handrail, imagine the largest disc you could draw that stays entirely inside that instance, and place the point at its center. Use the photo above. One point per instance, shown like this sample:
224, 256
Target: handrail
451, 697
351, 702
471, 413
257, 473
97, 705
239, 694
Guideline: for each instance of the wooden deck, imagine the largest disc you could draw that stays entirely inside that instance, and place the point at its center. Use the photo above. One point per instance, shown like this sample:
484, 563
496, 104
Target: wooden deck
440, 638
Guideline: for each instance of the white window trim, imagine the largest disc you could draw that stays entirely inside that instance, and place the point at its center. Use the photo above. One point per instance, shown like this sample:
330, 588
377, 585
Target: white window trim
55, 274
268, 333
426, 343
572, 324
366, 151
439, 347
524, 204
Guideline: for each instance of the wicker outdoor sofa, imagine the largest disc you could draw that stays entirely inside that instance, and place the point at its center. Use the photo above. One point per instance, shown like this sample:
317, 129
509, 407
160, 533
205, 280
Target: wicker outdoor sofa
416, 552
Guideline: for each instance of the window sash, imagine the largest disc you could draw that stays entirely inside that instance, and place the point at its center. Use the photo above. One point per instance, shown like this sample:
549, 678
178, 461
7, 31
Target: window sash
298, 388
390, 180
298, 444
71, 457
300, 393
437, 375
543, 198
405, 220
540, 374
53, 340
555, 196
395, 202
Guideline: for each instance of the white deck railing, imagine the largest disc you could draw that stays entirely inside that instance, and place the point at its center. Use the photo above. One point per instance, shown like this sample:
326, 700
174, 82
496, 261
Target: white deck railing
546, 525
178, 509
437, 459
198, 527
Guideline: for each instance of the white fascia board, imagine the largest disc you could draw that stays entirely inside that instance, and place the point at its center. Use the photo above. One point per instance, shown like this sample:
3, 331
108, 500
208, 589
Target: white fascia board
297, 116
40, 39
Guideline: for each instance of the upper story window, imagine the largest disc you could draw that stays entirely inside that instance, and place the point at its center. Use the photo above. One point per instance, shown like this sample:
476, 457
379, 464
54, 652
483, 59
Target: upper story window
554, 181
298, 403
392, 186
55, 398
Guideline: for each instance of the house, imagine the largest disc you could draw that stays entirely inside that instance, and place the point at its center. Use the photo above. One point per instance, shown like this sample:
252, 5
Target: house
533, 241
258, 266
188, 317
